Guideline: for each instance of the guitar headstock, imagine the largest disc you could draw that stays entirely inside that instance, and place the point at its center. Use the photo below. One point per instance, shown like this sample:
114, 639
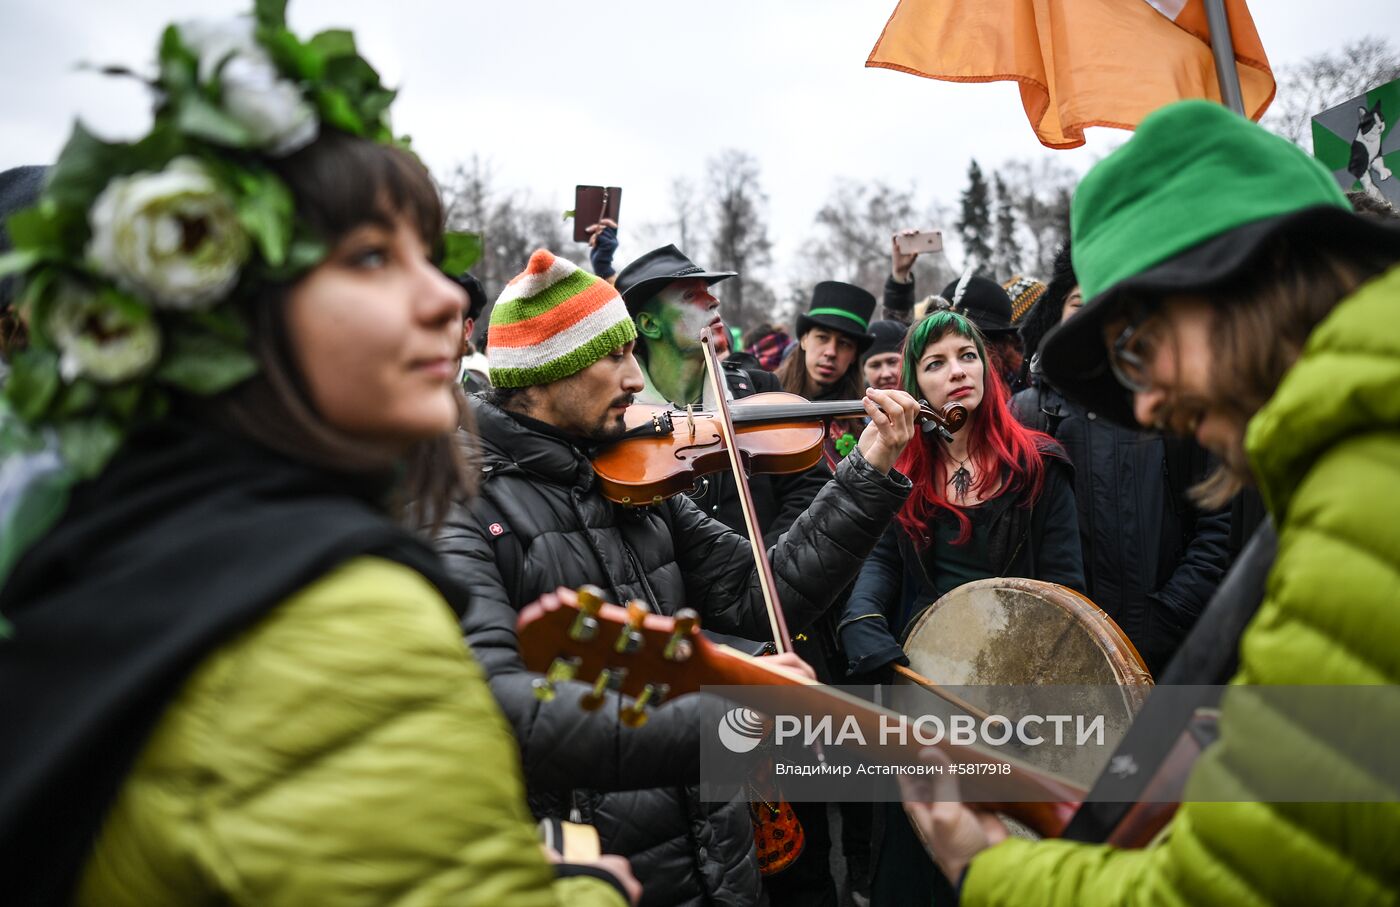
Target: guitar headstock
569, 635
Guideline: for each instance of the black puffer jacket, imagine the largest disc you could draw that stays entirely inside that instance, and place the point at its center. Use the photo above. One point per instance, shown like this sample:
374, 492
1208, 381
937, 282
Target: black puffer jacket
1040, 541
540, 523
1151, 559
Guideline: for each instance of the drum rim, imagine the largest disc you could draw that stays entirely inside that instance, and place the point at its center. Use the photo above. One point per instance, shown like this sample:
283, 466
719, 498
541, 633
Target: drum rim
1132, 675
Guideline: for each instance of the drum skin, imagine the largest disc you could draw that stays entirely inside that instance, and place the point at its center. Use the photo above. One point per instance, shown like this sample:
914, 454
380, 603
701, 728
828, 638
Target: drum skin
993, 638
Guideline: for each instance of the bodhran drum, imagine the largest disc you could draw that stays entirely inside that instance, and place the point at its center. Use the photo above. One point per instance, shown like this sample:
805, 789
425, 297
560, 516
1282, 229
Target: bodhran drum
992, 639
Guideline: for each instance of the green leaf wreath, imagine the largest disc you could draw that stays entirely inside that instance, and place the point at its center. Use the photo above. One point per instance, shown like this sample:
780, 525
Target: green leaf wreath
134, 253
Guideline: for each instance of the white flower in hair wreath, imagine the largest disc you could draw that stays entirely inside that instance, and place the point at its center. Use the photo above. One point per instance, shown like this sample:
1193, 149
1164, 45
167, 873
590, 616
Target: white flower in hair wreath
172, 237
106, 343
272, 109
132, 257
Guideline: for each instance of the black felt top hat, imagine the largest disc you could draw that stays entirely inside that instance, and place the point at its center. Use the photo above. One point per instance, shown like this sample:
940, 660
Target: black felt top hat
840, 307
644, 278
984, 301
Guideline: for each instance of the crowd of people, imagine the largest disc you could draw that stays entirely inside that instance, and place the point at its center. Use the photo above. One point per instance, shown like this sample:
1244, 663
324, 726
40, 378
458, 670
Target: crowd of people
270, 514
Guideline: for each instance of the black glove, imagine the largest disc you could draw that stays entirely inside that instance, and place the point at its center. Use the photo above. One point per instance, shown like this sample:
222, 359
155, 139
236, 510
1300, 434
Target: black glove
869, 645
601, 253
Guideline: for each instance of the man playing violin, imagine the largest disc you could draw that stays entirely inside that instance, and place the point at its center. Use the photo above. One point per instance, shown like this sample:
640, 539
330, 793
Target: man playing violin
564, 372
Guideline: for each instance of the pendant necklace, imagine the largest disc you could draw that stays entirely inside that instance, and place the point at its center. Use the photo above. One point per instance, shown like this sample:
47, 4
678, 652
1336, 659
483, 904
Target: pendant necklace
961, 480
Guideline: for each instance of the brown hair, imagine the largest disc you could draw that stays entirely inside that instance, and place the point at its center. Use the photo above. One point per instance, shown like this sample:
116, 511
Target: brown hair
792, 375
1263, 317
340, 182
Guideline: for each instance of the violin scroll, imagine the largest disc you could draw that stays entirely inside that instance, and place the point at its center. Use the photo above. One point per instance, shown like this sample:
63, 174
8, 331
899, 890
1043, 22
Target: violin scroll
947, 421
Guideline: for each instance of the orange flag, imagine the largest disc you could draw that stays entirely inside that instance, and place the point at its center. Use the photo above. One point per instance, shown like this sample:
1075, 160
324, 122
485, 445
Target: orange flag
1079, 62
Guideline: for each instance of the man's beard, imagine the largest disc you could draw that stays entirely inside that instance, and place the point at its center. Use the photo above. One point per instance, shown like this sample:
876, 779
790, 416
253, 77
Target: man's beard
610, 428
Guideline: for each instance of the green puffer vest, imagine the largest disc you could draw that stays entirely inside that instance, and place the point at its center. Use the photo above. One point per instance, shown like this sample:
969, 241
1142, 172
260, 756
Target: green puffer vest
1326, 451
343, 752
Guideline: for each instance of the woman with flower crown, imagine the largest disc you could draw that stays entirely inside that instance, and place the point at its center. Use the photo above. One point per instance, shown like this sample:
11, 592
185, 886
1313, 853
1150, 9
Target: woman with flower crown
229, 676
996, 501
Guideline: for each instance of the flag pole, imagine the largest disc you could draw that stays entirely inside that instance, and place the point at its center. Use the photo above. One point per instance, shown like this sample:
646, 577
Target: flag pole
1222, 45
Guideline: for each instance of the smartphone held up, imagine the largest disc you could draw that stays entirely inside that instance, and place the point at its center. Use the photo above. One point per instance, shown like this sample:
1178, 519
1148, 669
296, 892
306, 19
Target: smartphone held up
918, 243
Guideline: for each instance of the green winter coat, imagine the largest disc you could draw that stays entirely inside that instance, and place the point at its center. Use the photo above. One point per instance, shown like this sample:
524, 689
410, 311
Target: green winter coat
344, 751
1326, 451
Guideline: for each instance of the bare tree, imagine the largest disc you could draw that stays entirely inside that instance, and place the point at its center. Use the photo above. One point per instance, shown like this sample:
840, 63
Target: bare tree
1039, 192
689, 210
739, 233
511, 224
1326, 80
852, 238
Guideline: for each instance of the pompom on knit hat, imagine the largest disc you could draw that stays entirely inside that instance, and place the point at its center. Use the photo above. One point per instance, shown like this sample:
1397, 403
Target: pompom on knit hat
552, 321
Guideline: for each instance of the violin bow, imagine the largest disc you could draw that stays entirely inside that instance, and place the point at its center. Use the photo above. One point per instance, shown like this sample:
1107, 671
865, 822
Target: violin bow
715, 379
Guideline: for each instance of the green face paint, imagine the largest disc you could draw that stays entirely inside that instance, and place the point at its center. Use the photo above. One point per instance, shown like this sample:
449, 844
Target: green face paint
672, 323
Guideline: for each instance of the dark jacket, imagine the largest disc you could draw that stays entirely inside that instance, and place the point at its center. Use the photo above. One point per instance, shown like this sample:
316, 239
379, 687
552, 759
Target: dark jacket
898, 300
539, 523
1040, 542
1151, 558
778, 500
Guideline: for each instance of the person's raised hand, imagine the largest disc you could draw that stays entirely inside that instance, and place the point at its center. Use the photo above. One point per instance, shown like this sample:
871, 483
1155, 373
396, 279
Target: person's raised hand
602, 243
952, 832
594, 230
892, 414
901, 264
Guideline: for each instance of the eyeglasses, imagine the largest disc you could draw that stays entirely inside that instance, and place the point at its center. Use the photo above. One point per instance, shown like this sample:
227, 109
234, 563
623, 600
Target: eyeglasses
1128, 356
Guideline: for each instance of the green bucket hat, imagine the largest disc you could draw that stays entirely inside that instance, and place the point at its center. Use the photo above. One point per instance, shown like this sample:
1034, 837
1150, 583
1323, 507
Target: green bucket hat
1187, 203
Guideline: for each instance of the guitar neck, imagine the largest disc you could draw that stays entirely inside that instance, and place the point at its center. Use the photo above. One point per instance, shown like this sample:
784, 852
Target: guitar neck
634, 651
1040, 800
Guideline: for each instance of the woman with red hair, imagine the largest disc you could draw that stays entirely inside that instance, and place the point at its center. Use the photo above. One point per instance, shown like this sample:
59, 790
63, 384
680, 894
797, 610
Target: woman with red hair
997, 500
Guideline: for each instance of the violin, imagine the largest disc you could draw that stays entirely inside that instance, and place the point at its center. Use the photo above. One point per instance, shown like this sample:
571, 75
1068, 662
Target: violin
665, 451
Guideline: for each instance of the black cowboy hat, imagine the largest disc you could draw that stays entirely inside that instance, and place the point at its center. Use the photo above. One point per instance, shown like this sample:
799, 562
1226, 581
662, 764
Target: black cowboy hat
985, 302
840, 307
644, 278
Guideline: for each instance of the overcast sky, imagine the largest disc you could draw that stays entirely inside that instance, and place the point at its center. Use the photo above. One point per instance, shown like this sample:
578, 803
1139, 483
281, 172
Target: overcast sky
629, 93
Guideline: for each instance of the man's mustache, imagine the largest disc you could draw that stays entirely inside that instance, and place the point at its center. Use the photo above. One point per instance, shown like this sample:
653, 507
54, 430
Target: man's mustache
624, 400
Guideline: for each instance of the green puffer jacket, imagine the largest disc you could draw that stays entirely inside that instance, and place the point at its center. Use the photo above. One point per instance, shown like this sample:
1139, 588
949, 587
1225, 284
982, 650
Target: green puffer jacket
1326, 450
344, 751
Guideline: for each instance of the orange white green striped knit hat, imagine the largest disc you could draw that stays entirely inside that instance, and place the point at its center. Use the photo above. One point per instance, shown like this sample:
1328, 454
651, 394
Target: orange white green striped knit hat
553, 321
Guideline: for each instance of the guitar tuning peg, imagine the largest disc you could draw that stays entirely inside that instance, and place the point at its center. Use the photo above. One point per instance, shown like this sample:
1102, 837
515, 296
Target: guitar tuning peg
560, 669
630, 639
679, 647
590, 599
585, 625
635, 715
608, 679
